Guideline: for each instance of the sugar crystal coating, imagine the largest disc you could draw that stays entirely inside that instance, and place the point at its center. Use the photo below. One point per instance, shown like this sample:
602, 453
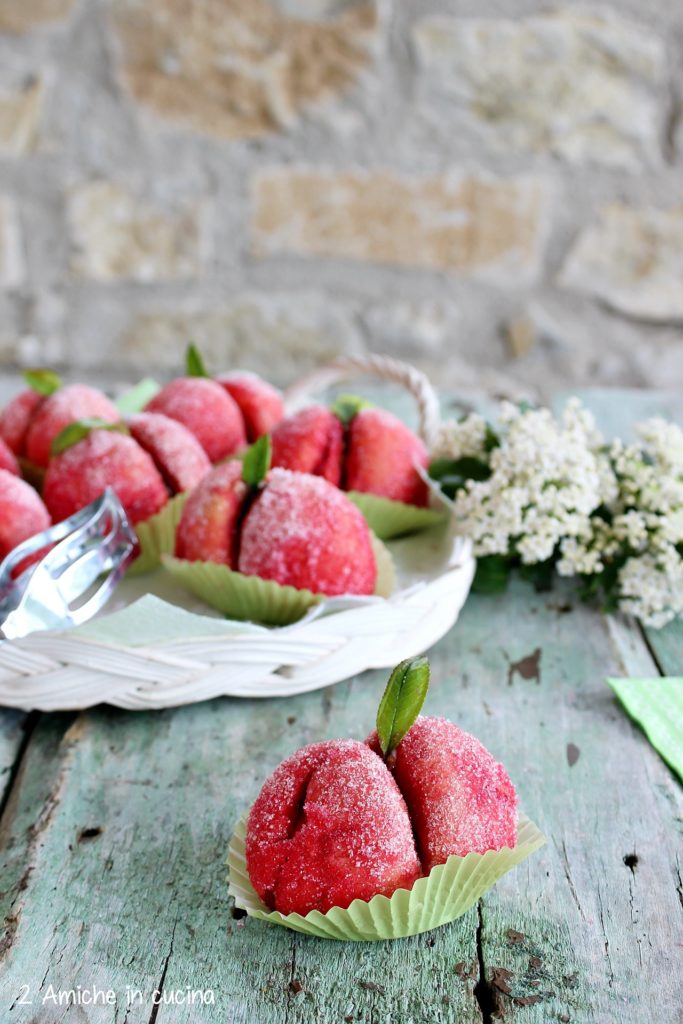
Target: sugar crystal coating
104, 459
206, 410
68, 404
22, 513
304, 532
381, 457
176, 452
310, 441
16, 418
260, 403
329, 826
460, 799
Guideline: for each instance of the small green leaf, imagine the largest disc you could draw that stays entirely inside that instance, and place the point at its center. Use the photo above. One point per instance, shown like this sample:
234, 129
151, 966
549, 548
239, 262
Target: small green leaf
79, 429
492, 574
256, 461
194, 364
345, 407
136, 398
402, 701
45, 382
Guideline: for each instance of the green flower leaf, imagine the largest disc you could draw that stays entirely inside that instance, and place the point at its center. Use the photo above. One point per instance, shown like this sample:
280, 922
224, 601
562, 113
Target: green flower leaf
80, 429
493, 572
194, 364
45, 382
256, 461
345, 407
402, 701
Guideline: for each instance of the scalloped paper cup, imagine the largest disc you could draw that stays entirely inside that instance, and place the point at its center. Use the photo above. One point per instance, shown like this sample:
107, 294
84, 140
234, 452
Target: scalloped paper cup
444, 895
257, 600
157, 535
387, 518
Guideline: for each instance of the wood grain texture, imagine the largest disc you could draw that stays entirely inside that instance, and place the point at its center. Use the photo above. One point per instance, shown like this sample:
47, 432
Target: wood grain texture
113, 842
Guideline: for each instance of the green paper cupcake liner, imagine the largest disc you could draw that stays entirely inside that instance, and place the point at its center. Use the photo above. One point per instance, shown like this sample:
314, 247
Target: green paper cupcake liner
257, 600
387, 518
157, 535
444, 895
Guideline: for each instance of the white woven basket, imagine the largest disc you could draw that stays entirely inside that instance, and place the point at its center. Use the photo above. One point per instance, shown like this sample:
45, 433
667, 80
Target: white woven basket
149, 652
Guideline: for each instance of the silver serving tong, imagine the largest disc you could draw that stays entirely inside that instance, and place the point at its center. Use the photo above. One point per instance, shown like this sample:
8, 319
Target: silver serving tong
88, 554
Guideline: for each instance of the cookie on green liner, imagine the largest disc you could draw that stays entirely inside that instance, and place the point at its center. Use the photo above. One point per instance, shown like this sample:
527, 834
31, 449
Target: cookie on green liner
257, 600
444, 895
388, 519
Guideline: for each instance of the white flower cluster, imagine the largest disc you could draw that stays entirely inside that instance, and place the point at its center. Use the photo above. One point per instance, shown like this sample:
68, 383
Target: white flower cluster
547, 477
644, 528
462, 439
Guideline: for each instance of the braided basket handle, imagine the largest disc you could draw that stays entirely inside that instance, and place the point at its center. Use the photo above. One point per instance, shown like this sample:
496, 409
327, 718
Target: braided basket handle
383, 367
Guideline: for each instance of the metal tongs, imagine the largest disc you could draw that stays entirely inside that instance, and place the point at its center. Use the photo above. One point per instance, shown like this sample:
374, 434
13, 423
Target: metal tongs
88, 554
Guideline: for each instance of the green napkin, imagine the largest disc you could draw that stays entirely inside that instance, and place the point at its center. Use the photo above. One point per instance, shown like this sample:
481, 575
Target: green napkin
657, 705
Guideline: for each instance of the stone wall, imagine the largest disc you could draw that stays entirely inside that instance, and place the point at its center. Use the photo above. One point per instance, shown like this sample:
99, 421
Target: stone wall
491, 189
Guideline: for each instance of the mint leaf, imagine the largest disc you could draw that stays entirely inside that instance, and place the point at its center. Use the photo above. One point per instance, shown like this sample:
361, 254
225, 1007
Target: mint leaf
79, 429
45, 382
194, 364
256, 461
346, 406
401, 703
136, 398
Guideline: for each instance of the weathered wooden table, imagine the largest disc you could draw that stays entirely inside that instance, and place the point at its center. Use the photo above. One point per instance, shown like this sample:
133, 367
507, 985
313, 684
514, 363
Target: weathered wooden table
115, 826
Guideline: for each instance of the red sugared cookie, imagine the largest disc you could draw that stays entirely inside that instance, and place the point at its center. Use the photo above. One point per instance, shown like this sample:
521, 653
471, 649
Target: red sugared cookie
207, 410
104, 459
304, 532
328, 827
8, 460
381, 455
53, 414
260, 403
375, 453
207, 531
16, 417
22, 513
310, 441
460, 799
177, 454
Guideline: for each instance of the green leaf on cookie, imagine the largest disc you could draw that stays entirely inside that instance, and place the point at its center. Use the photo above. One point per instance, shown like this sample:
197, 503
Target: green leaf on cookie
256, 461
402, 701
45, 382
80, 429
194, 364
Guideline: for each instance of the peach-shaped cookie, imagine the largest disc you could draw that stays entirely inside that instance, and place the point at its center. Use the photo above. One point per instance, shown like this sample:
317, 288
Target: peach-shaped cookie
208, 528
177, 454
381, 456
16, 417
79, 474
260, 403
310, 441
304, 532
8, 460
68, 404
208, 412
460, 798
328, 827
22, 513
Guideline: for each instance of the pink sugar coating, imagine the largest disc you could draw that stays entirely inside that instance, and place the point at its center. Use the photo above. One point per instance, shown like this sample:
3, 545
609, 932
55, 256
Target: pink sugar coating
329, 826
310, 441
176, 452
207, 528
22, 513
103, 459
207, 410
70, 403
16, 417
460, 799
304, 532
8, 459
381, 456
260, 403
